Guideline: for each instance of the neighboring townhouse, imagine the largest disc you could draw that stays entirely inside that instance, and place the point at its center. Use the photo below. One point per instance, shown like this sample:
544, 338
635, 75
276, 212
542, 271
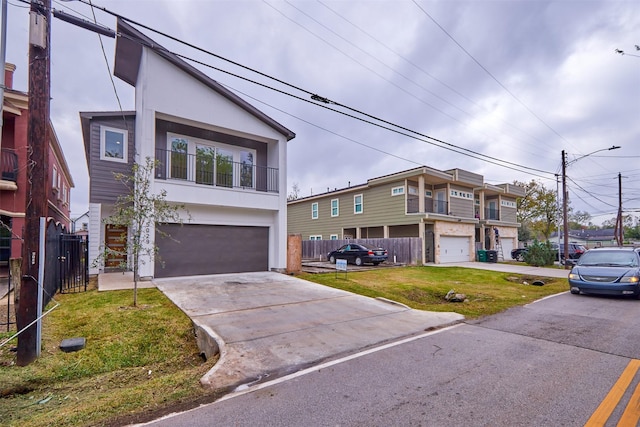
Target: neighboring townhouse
453, 211
14, 164
218, 155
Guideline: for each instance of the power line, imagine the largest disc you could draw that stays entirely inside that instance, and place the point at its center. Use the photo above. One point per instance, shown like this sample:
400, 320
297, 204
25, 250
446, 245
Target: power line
489, 72
314, 96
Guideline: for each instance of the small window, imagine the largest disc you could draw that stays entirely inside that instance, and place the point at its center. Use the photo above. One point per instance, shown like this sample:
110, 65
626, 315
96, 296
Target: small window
113, 144
428, 193
397, 191
315, 237
357, 204
334, 237
54, 180
335, 207
85, 225
314, 210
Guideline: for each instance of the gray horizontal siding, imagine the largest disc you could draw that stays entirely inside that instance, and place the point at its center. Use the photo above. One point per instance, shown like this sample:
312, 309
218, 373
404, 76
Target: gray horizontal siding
379, 209
103, 187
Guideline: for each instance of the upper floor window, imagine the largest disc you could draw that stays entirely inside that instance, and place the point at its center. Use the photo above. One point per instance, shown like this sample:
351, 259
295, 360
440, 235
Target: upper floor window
315, 237
113, 144
508, 203
397, 191
210, 162
314, 210
428, 193
54, 178
335, 207
357, 204
334, 237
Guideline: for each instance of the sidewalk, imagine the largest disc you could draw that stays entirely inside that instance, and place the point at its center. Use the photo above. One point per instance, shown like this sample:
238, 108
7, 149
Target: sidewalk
511, 268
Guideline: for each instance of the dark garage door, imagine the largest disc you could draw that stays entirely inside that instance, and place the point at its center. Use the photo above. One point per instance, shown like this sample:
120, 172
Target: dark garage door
211, 249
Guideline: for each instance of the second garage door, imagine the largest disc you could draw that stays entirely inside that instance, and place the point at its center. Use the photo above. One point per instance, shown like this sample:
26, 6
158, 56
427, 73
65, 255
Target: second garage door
211, 249
454, 249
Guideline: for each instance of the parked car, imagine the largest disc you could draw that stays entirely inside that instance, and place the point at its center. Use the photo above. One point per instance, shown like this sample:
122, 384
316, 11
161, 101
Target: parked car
518, 254
575, 252
607, 271
358, 254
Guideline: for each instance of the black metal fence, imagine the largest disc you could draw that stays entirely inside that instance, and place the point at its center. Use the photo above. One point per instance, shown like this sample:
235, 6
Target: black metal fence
66, 262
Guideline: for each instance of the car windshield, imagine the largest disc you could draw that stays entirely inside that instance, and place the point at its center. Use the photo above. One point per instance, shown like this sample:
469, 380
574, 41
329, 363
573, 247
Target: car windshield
609, 259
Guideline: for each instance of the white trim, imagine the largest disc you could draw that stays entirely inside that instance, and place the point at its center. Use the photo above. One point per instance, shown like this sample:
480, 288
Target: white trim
315, 237
333, 237
397, 191
314, 210
337, 208
355, 204
124, 142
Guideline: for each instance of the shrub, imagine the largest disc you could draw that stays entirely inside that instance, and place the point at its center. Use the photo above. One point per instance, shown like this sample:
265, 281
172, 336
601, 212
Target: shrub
540, 254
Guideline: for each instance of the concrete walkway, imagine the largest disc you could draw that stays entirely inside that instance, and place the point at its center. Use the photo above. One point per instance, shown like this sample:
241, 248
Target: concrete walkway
269, 324
266, 324
520, 268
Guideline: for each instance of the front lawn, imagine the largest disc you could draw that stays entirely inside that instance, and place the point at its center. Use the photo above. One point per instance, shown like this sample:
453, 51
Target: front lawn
424, 288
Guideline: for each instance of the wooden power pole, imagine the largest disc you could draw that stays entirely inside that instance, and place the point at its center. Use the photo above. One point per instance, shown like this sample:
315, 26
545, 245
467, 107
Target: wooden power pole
37, 169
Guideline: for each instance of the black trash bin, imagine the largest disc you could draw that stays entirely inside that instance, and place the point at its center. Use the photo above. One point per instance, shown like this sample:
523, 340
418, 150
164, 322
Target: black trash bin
492, 256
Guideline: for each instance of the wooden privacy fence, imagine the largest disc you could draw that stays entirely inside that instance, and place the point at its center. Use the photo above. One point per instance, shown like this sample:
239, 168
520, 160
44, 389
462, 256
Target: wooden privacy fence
406, 250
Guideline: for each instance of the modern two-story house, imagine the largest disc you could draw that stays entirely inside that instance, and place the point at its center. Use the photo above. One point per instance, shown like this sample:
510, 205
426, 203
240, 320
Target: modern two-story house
453, 211
219, 156
14, 162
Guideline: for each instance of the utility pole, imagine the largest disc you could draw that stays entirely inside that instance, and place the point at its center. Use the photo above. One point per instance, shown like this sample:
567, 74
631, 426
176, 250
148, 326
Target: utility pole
620, 229
565, 216
37, 169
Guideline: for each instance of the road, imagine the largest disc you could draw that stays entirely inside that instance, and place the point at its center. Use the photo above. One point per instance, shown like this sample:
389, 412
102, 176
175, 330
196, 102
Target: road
551, 363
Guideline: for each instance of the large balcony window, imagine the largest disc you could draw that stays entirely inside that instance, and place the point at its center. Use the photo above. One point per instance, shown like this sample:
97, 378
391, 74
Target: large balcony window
209, 163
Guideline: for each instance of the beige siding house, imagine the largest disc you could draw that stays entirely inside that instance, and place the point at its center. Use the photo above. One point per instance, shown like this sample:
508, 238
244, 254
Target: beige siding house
453, 211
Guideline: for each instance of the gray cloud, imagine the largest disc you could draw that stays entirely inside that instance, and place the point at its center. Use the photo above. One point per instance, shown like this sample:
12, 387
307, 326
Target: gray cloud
557, 59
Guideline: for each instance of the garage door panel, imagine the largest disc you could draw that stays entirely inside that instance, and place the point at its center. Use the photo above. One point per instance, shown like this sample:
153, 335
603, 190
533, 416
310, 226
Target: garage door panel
454, 249
196, 249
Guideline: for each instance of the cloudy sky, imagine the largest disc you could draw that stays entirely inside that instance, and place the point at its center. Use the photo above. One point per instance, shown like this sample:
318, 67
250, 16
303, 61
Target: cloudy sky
495, 87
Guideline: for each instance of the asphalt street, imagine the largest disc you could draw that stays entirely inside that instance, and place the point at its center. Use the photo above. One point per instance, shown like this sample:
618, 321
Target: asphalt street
553, 362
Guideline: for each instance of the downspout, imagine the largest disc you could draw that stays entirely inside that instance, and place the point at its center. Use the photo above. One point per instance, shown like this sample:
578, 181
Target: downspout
3, 55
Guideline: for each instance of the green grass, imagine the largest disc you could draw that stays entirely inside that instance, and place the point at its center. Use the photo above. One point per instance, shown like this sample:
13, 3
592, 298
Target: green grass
424, 288
137, 360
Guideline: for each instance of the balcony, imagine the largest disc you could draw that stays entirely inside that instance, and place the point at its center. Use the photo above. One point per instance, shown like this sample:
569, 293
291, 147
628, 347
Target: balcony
215, 171
9, 168
492, 214
430, 206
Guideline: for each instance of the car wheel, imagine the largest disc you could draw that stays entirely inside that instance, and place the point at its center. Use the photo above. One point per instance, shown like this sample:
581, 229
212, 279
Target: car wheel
574, 292
332, 259
358, 261
376, 263
520, 257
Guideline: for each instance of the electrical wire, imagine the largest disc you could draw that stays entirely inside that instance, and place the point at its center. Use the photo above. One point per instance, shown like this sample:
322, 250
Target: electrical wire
313, 95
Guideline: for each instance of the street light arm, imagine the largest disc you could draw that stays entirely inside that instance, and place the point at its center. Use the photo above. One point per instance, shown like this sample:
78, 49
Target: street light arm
613, 147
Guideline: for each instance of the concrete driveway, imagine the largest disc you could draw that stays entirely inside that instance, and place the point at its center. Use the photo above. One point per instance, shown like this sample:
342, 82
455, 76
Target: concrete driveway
267, 324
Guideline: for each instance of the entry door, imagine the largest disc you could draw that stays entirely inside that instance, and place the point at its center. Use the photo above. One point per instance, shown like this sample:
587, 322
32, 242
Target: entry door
115, 238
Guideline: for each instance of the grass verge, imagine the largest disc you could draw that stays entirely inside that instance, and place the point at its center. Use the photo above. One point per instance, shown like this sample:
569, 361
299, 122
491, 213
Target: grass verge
138, 360
424, 288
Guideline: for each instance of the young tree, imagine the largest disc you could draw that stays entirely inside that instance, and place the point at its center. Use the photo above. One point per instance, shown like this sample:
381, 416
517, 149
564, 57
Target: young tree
538, 210
295, 192
139, 209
